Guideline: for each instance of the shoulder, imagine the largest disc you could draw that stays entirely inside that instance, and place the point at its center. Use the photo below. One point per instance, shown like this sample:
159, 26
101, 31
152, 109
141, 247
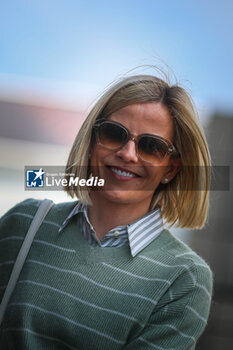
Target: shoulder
181, 253
180, 263
24, 209
22, 213
30, 205
177, 251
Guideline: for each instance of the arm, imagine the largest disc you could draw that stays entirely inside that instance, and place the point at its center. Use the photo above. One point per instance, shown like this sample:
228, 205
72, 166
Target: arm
180, 316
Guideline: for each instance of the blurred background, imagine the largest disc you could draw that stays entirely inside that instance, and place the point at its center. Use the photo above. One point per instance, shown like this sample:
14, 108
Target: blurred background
56, 57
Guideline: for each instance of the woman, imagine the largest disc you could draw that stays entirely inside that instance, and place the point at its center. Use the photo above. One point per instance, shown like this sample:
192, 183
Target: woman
103, 272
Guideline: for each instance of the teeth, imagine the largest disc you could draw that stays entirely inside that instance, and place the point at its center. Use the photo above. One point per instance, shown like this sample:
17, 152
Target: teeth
122, 173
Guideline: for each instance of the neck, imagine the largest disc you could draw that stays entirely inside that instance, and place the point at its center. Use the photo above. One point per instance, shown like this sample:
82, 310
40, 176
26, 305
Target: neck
105, 215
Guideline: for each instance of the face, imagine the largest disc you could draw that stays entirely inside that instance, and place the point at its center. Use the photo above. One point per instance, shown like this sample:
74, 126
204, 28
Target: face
129, 179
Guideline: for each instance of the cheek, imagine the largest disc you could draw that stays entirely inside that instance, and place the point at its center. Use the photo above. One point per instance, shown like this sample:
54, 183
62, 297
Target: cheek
101, 156
93, 161
157, 172
97, 160
156, 175
96, 156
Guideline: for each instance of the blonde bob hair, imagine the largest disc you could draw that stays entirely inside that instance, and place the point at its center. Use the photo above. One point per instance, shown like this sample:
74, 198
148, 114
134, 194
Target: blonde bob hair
185, 199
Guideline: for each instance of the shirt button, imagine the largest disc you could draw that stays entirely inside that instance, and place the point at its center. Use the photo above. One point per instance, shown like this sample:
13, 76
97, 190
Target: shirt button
116, 233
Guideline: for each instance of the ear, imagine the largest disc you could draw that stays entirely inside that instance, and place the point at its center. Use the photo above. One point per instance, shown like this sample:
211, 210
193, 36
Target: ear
174, 167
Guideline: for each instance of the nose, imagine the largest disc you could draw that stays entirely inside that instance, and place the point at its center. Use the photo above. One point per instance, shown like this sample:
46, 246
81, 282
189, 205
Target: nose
128, 153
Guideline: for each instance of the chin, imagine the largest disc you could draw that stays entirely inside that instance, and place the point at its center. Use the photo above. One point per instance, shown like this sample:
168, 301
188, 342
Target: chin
125, 197
117, 196
120, 197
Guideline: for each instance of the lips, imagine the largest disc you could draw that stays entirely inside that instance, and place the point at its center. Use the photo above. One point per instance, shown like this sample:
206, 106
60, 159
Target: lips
123, 173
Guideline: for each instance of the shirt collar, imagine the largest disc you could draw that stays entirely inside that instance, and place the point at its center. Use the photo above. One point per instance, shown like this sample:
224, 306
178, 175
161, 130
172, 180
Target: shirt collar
141, 232
79, 208
144, 230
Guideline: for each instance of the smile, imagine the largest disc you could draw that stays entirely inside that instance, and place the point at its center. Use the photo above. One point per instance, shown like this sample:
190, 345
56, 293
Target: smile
123, 173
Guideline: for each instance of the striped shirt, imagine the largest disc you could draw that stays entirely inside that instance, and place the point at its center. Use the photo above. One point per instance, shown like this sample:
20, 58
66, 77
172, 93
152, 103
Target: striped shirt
137, 235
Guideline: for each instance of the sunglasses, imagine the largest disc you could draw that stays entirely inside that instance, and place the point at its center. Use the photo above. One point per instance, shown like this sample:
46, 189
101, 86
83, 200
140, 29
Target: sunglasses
150, 148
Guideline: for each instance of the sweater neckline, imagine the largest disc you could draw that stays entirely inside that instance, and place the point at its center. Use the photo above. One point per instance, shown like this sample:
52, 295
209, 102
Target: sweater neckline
89, 254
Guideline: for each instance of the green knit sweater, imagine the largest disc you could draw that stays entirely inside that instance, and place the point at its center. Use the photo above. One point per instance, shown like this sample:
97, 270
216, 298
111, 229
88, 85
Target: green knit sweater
71, 295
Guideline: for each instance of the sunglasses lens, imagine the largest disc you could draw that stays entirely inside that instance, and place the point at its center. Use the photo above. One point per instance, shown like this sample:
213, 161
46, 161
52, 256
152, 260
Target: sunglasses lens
152, 149
112, 136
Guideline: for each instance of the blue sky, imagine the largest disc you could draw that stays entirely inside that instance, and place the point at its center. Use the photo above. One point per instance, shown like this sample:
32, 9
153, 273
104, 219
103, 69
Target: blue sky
69, 43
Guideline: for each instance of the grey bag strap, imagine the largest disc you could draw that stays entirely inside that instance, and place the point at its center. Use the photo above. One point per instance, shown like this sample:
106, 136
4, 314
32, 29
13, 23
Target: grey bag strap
42, 211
